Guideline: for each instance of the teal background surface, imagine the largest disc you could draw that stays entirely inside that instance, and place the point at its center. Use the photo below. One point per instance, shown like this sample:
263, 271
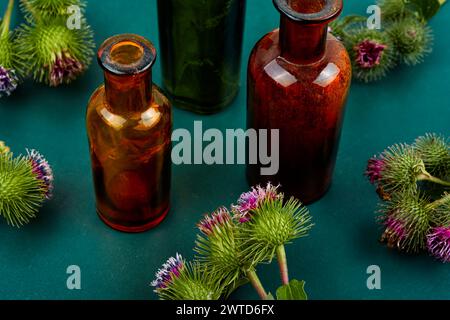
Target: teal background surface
332, 260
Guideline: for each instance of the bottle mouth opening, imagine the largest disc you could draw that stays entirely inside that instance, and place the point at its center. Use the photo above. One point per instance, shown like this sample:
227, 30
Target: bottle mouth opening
126, 54
309, 11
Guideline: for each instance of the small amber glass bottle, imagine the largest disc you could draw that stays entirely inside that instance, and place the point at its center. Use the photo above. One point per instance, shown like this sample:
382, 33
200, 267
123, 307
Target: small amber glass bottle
129, 124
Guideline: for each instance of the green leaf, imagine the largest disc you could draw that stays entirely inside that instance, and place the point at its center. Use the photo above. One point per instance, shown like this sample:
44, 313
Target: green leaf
427, 8
270, 297
295, 290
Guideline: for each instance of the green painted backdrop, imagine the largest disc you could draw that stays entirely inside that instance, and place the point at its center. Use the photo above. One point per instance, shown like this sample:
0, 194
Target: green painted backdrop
333, 259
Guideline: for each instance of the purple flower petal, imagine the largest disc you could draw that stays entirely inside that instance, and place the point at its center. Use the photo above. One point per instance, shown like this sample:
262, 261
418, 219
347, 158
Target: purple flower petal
218, 218
169, 271
8, 81
369, 53
375, 169
64, 69
439, 243
395, 232
43, 171
251, 200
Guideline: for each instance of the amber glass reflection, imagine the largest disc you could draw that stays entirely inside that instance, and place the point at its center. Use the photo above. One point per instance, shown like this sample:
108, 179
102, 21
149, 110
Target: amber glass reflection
129, 128
298, 80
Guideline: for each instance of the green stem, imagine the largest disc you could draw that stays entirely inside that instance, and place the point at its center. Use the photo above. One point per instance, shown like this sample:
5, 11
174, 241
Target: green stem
282, 263
428, 177
440, 202
7, 19
256, 283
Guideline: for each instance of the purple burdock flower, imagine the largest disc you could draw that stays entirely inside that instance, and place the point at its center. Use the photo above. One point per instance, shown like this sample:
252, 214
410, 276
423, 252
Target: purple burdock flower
395, 232
43, 171
374, 169
251, 200
219, 218
64, 69
369, 53
169, 271
8, 81
439, 243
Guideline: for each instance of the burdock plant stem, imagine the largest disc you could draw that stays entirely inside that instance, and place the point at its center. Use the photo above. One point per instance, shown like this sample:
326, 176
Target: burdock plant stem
256, 283
428, 177
440, 202
282, 262
7, 19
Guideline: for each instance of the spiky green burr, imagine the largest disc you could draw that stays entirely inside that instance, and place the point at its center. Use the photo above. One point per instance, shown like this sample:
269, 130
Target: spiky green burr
441, 211
9, 57
220, 251
435, 153
413, 40
11, 64
412, 215
181, 280
21, 193
392, 10
57, 55
49, 8
402, 167
372, 54
273, 224
218, 248
409, 219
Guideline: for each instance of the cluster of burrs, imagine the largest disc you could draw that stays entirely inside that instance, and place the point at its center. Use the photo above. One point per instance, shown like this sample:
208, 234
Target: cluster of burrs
414, 183
54, 45
404, 37
232, 243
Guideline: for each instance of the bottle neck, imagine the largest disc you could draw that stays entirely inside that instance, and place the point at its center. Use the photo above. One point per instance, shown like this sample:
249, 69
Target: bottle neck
302, 43
128, 94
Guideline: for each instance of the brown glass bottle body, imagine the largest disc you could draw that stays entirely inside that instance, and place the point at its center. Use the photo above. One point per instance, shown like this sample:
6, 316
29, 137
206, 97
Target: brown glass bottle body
298, 81
129, 124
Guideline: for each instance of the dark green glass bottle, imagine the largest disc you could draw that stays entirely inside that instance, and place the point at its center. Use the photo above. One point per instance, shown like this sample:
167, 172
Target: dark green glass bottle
201, 46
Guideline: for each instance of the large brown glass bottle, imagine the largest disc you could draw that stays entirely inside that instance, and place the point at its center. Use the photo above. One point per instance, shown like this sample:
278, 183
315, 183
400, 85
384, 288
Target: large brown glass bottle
298, 80
129, 125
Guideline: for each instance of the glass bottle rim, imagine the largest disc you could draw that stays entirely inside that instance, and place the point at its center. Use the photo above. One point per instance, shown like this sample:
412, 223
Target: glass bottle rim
330, 10
110, 58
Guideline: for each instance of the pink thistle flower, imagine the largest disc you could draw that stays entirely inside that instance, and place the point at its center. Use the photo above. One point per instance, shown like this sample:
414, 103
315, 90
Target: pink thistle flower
217, 219
8, 81
64, 69
369, 53
374, 170
439, 243
253, 199
169, 271
395, 232
43, 171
